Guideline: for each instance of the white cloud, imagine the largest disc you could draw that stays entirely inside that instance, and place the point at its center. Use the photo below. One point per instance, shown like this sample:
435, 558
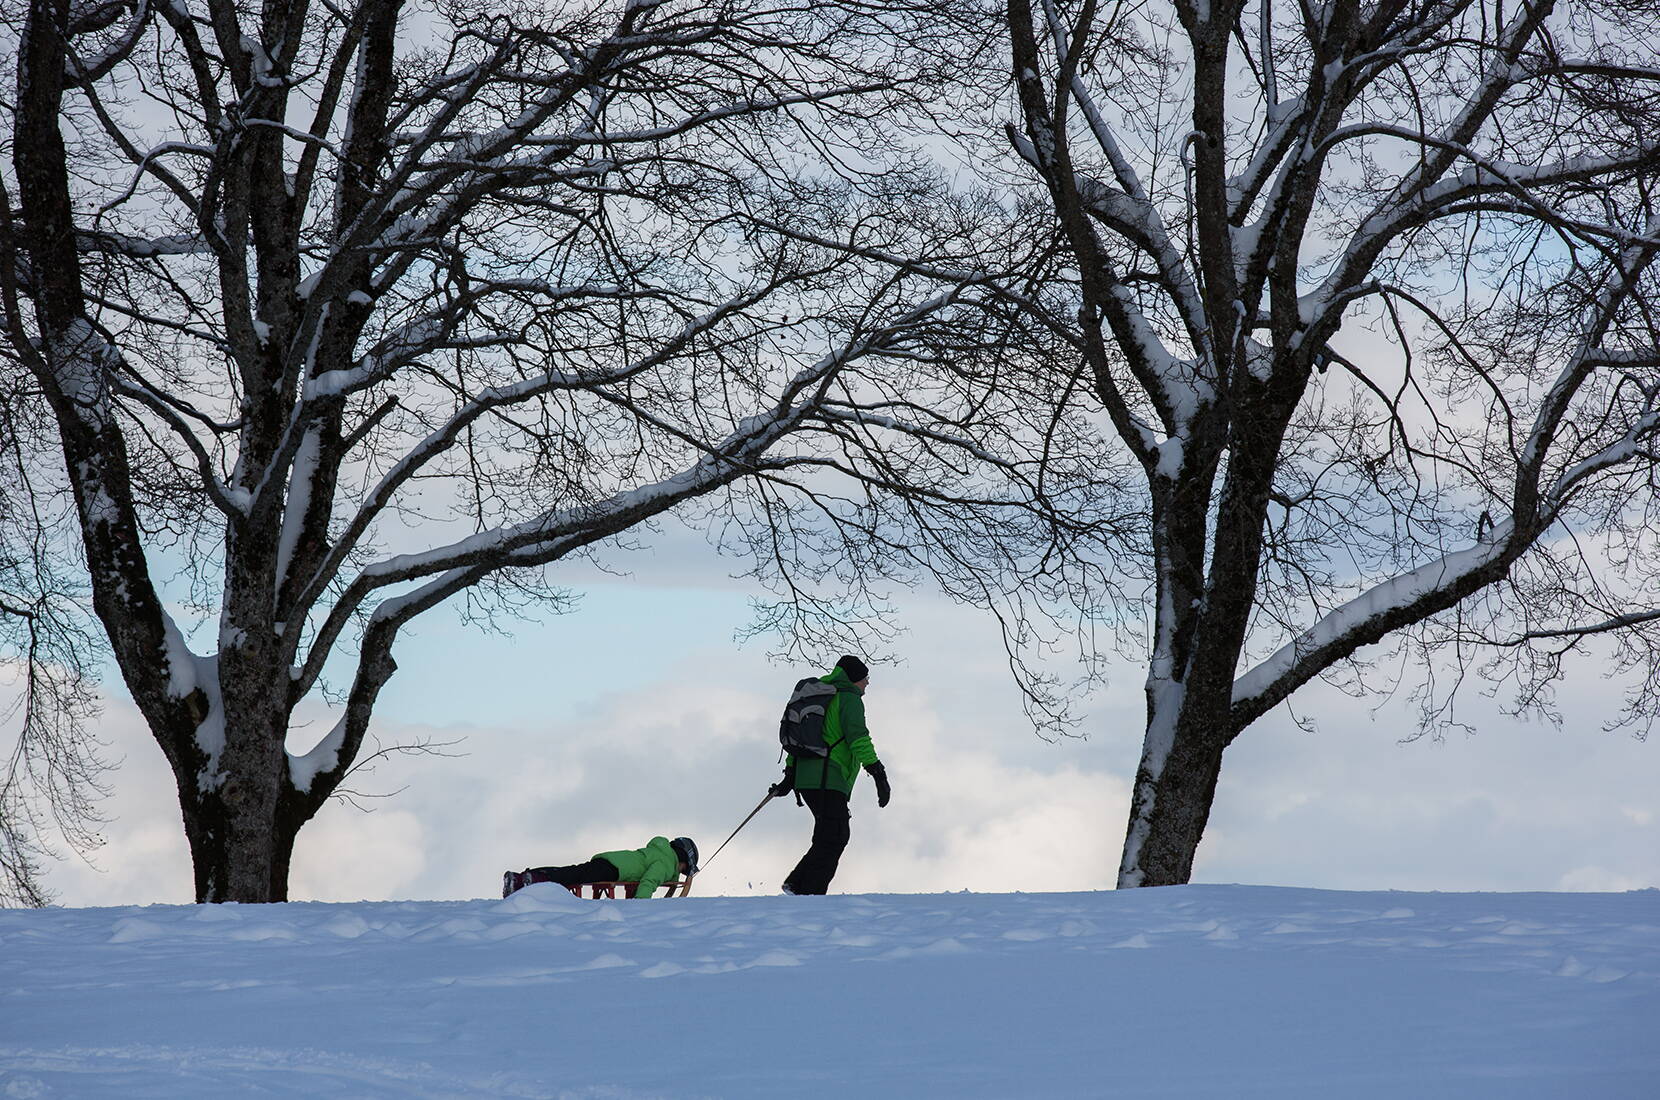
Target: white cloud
679, 756
577, 765
1601, 879
348, 855
144, 858
1515, 806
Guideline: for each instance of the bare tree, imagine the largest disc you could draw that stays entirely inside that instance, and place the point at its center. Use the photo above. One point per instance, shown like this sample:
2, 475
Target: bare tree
52, 778
1366, 290
351, 327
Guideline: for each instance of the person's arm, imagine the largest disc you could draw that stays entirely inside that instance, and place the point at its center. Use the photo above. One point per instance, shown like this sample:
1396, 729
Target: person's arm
787, 784
864, 751
659, 869
854, 730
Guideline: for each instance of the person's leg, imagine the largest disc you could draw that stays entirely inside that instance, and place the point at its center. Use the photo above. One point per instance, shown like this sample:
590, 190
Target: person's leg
831, 829
595, 870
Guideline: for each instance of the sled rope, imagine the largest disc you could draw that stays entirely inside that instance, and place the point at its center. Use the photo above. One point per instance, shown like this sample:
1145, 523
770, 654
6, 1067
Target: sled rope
765, 799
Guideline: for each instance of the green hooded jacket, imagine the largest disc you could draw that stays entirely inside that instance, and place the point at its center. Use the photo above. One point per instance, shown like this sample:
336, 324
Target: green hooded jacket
650, 866
848, 737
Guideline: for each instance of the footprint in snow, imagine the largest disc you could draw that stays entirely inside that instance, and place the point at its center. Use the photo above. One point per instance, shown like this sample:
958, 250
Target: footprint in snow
1573, 968
948, 946
662, 970
777, 958
509, 930
132, 929
606, 961
258, 932
346, 927
846, 939
24, 1087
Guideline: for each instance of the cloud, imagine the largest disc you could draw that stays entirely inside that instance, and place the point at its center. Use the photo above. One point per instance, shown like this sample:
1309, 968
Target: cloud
1601, 879
659, 730
144, 857
1514, 806
347, 855
681, 756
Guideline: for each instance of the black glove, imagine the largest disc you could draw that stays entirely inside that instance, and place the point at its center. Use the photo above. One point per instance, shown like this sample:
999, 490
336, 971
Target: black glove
880, 774
783, 787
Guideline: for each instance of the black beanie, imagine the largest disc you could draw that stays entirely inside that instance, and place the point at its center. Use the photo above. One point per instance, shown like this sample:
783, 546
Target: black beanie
854, 668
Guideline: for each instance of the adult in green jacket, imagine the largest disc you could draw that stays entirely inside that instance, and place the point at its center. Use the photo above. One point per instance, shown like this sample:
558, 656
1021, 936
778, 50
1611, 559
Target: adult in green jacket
658, 862
825, 784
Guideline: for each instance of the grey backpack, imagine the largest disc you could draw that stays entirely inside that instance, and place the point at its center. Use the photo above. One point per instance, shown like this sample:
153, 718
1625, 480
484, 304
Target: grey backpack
801, 730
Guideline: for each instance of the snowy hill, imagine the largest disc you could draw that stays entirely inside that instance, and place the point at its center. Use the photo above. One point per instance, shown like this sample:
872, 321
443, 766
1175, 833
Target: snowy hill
1199, 991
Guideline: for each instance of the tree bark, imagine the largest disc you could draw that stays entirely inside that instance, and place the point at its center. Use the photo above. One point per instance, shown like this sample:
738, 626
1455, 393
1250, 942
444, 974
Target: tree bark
1171, 803
240, 848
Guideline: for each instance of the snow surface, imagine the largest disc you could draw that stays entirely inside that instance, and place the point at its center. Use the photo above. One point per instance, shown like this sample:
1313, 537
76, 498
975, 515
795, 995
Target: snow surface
1195, 991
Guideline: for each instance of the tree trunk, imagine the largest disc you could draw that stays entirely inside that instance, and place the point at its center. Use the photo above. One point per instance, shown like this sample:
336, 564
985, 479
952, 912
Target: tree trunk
237, 854
1173, 793
241, 811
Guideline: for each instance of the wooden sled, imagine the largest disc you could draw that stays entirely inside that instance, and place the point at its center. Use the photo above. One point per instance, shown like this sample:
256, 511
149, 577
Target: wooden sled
677, 888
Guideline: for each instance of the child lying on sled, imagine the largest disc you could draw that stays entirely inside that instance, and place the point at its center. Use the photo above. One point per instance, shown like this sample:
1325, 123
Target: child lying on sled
658, 862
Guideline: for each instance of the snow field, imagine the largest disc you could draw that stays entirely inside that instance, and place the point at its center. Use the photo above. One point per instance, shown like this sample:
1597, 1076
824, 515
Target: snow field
1198, 991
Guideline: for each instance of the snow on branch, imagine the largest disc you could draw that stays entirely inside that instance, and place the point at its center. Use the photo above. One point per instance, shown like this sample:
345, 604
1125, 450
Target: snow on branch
1408, 199
734, 455
554, 534
1136, 219
1368, 617
95, 15
1437, 585
442, 437
233, 503
324, 756
141, 248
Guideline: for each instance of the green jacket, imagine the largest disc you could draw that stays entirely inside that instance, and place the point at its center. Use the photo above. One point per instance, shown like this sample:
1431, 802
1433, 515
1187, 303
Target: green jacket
650, 866
849, 740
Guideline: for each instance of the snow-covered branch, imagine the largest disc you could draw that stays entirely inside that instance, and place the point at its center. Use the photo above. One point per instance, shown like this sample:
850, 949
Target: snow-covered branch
85, 70
141, 248
1368, 617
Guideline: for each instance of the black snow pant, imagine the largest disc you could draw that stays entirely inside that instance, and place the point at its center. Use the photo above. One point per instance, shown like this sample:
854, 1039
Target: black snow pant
595, 870
830, 832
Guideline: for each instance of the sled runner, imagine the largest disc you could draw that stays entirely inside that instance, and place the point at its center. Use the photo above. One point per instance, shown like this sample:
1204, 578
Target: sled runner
677, 888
